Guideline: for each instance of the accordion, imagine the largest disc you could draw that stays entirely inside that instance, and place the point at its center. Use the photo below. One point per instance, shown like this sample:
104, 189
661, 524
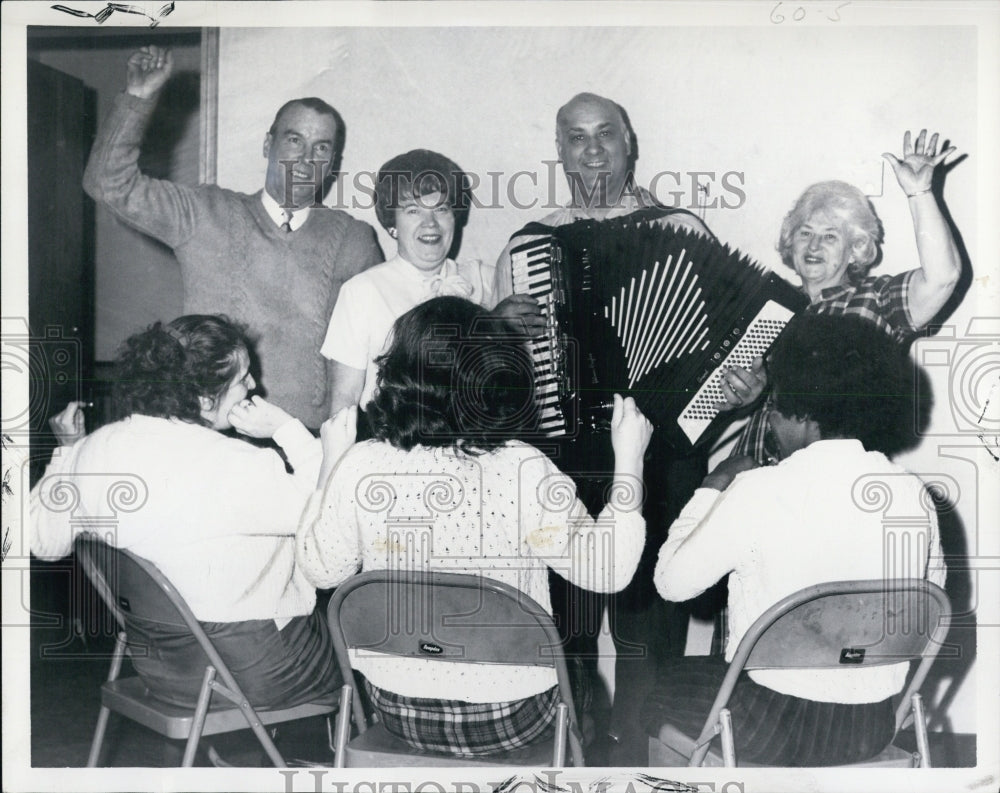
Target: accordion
647, 310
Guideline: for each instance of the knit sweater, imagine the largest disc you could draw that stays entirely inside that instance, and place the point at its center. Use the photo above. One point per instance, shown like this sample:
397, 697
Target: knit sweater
217, 515
236, 261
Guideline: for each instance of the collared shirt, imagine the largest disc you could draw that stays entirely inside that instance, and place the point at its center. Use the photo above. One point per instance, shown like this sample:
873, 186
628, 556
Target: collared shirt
277, 213
884, 300
805, 521
370, 302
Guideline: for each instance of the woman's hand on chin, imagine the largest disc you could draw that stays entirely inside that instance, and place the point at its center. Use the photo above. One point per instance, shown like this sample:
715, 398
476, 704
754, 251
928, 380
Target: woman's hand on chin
257, 417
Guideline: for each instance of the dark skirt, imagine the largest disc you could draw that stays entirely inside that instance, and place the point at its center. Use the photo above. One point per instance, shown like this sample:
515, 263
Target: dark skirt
466, 729
769, 728
274, 668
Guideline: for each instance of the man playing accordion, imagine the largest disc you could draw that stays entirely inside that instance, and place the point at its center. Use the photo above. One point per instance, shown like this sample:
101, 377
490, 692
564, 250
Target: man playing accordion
595, 145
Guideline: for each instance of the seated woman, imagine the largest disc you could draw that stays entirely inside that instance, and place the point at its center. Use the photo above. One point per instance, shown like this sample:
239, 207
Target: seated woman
841, 389
219, 514
831, 238
447, 410
421, 198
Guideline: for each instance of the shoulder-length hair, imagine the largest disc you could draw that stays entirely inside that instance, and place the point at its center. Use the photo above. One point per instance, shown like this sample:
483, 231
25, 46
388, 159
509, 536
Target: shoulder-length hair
165, 370
447, 381
417, 173
847, 204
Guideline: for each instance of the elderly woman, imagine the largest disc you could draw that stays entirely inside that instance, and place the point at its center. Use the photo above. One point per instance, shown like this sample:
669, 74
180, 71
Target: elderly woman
217, 515
447, 410
832, 238
841, 390
421, 199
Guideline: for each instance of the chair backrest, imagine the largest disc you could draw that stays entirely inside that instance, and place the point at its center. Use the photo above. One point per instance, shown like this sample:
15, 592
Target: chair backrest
848, 624
445, 616
450, 617
842, 624
132, 587
144, 601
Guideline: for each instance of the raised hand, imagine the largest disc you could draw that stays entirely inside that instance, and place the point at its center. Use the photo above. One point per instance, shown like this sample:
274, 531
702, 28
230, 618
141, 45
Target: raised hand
630, 429
916, 170
68, 425
148, 69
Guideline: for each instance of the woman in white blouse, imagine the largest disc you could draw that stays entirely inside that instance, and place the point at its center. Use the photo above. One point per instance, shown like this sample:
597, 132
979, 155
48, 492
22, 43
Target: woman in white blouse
444, 486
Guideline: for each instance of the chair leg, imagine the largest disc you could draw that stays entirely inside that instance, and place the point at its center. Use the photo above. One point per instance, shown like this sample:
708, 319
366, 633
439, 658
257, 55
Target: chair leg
96, 744
102, 717
559, 744
920, 729
728, 747
343, 730
198, 722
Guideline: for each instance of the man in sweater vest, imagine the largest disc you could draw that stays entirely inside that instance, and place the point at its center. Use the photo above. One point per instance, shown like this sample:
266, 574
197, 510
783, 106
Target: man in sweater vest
274, 260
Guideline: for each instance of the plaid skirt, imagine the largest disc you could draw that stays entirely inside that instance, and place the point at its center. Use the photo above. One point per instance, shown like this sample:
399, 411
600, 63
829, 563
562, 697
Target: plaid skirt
466, 729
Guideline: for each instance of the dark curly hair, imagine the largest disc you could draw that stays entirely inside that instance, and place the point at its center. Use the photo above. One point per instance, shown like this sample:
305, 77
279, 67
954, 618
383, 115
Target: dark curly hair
418, 173
163, 370
446, 380
848, 376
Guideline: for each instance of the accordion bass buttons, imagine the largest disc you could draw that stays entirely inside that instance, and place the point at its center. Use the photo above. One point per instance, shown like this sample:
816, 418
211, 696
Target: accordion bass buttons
597, 417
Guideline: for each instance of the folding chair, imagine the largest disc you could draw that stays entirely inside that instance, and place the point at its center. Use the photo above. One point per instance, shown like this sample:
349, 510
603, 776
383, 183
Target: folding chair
135, 589
844, 624
453, 619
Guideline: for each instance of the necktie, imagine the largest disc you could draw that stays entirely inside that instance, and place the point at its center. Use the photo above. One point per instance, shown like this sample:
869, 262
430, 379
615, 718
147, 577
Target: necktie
287, 225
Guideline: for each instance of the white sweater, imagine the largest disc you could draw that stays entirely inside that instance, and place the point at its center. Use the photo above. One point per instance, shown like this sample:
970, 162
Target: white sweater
813, 518
217, 515
509, 515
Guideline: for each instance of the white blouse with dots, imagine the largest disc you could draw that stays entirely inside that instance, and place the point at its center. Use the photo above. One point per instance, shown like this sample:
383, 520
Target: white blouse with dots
508, 514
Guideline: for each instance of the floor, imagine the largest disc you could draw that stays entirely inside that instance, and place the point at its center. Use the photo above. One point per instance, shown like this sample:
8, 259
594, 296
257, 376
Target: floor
69, 662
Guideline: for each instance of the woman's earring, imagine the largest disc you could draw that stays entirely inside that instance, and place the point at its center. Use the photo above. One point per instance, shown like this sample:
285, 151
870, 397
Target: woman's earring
392, 233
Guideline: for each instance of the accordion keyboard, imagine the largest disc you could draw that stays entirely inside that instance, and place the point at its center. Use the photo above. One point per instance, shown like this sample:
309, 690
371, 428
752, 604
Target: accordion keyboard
532, 271
759, 335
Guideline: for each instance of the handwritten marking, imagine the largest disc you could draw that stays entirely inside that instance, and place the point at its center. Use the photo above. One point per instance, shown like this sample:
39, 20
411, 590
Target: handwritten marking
800, 13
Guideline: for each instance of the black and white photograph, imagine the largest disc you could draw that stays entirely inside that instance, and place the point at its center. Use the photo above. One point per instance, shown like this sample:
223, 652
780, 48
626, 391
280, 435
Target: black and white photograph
501, 397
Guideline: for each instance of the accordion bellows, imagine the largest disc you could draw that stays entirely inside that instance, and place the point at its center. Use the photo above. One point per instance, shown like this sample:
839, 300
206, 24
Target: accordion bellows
648, 310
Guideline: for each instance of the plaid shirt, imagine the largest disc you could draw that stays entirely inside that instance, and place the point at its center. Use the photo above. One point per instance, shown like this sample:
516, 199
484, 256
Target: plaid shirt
883, 300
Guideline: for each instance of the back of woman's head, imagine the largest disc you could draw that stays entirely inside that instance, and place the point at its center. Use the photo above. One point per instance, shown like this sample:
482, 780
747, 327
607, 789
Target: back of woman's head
165, 370
446, 381
845, 205
849, 376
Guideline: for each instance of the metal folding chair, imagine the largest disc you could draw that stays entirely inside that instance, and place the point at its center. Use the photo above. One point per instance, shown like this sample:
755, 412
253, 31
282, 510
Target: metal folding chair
453, 619
839, 625
135, 589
